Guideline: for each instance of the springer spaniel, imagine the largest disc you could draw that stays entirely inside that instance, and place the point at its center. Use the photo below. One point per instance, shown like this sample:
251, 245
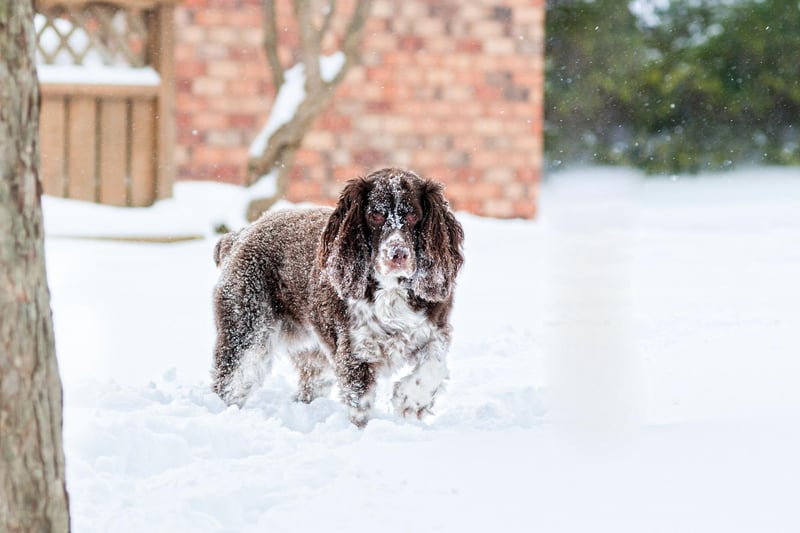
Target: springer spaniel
349, 294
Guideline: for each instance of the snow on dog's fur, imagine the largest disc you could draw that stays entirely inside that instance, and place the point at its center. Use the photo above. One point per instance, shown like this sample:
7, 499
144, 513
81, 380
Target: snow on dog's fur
349, 294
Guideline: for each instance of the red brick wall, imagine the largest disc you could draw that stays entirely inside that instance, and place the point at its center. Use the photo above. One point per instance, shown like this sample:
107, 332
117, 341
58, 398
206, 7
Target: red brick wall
451, 89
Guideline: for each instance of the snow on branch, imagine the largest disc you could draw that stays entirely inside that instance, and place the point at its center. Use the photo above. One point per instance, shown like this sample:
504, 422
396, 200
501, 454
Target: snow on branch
303, 91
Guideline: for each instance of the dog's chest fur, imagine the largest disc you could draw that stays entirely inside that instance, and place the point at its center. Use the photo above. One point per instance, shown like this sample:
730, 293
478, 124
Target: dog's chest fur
387, 330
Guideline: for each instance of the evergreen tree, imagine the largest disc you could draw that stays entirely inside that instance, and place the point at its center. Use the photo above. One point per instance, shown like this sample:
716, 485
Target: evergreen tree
702, 85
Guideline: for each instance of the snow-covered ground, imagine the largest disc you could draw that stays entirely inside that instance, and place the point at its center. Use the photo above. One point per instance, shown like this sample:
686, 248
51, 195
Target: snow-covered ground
628, 362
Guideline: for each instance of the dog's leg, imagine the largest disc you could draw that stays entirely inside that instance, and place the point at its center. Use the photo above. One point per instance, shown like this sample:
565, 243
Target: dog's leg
241, 355
357, 383
233, 381
416, 393
315, 375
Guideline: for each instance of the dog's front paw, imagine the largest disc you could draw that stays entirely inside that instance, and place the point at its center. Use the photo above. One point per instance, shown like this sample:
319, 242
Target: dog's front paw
360, 407
413, 397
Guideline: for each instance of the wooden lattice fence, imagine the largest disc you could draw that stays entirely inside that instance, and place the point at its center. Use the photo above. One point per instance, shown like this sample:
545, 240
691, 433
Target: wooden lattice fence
107, 83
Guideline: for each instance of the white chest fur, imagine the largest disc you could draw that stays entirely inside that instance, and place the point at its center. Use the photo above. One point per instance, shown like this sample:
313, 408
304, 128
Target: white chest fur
388, 330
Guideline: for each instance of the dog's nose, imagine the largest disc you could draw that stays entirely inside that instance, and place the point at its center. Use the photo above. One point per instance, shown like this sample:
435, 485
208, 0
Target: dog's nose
398, 256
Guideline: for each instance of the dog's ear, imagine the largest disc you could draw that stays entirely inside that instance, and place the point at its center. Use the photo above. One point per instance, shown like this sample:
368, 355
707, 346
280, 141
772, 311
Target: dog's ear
440, 243
223, 247
344, 254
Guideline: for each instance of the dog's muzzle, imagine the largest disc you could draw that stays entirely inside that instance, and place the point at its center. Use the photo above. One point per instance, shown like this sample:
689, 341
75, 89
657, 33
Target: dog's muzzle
395, 257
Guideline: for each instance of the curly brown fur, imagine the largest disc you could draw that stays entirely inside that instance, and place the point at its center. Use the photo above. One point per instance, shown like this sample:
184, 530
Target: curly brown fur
349, 294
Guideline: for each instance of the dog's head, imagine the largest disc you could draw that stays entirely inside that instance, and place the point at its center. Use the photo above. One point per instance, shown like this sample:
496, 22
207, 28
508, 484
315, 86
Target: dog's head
392, 225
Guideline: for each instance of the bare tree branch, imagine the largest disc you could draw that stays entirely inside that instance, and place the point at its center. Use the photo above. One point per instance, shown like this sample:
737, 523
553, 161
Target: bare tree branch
271, 43
310, 44
352, 39
326, 22
284, 142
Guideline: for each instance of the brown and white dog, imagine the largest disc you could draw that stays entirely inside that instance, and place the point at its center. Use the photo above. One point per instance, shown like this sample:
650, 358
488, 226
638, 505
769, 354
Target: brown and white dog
349, 294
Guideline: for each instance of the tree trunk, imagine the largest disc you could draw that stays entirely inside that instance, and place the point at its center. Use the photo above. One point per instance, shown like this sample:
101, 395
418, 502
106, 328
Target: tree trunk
33, 495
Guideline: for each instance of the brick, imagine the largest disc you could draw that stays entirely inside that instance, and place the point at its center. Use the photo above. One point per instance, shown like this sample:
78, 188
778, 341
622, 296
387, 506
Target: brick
428, 27
379, 75
243, 121
469, 46
457, 158
224, 35
527, 142
486, 29
303, 191
499, 46
458, 62
319, 140
383, 143
531, 13
346, 172
498, 207
488, 93
413, 10
472, 11
368, 157
382, 41
208, 86
401, 158
243, 87
253, 38
223, 69
245, 17
224, 138
185, 52
333, 122
307, 158
190, 102
467, 141
210, 17
426, 158
383, 106
524, 209
499, 175
410, 43
489, 126
439, 76
230, 173
441, 45
398, 124
212, 50
516, 191
458, 93
191, 34
190, 69
384, 8
210, 155
341, 157
472, 206
206, 121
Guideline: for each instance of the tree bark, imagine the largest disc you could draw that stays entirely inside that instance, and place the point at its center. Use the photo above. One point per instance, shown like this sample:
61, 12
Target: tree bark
33, 495
283, 144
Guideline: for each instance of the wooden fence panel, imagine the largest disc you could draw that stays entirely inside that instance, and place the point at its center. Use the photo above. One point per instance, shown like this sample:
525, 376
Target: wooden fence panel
143, 152
102, 140
81, 148
51, 134
114, 167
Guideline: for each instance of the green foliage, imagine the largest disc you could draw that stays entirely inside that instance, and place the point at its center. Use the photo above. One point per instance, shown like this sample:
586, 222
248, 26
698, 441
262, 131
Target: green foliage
711, 84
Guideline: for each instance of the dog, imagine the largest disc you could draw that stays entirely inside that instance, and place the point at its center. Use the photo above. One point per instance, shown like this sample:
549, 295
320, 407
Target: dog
350, 294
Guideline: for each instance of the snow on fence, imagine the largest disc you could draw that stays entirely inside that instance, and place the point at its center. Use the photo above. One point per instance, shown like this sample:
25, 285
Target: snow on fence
107, 81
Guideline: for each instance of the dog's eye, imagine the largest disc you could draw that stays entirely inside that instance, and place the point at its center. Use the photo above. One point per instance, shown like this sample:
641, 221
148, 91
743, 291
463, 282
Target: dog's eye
412, 218
375, 218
